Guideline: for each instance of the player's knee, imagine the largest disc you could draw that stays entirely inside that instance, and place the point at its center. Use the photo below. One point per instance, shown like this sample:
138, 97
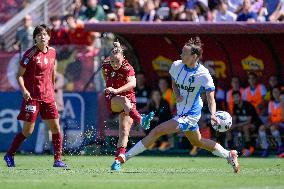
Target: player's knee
27, 133
197, 143
55, 129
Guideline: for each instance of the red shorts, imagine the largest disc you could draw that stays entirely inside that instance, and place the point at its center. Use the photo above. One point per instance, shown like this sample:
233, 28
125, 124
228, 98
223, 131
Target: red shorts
31, 108
109, 97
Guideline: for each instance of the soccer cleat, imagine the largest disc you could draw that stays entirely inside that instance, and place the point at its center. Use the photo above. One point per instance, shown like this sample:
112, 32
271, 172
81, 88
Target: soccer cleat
59, 163
116, 166
9, 160
146, 119
121, 158
233, 160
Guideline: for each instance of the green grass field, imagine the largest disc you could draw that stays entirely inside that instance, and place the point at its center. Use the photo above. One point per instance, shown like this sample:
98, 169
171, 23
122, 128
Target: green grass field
142, 172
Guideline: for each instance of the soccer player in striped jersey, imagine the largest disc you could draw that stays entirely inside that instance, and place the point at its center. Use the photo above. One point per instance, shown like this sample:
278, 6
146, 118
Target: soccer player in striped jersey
189, 79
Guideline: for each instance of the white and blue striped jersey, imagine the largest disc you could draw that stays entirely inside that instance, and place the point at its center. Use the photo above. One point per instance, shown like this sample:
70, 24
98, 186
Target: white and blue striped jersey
191, 82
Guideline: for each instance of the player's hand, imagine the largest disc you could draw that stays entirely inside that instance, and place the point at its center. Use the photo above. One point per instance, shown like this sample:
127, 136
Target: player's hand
179, 98
27, 95
214, 120
111, 90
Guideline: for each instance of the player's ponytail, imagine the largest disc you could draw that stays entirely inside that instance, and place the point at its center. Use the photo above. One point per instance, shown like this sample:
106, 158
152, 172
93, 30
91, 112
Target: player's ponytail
117, 48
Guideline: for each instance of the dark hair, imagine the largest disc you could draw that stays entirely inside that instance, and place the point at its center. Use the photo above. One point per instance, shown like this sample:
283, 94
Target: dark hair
195, 46
54, 18
66, 17
39, 29
236, 93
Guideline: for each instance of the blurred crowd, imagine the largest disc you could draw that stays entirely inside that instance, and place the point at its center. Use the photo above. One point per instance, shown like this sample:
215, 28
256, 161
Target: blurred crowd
178, 10
162, 10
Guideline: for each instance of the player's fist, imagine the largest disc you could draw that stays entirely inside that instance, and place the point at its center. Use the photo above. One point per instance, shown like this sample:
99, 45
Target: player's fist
27, 95
179, 98
111, 90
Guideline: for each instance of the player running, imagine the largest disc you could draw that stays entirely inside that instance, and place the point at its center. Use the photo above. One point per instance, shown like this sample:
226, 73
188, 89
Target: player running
120, 98
189, 79
36, 77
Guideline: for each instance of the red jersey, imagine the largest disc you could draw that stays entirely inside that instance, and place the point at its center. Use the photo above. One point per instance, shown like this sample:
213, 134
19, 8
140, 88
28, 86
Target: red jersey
118, 78
38, 75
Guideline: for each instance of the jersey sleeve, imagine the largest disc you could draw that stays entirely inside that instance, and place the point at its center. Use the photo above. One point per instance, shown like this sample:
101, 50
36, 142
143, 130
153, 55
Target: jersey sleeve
208, 83
173, 69
129, 71
25, 60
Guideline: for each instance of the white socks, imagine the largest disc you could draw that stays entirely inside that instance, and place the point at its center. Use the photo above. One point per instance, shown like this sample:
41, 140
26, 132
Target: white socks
135, 150
220, 151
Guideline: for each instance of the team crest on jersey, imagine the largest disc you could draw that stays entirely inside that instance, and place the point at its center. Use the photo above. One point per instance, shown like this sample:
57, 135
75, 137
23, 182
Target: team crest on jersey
112, 74
45, 60
191, 79
38, 60
26, 61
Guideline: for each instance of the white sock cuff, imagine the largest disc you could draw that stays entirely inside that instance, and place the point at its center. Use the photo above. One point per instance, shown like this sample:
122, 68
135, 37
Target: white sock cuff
220, 151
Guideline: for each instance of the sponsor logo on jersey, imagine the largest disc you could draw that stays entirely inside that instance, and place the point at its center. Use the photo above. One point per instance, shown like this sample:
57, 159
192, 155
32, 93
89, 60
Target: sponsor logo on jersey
187, 88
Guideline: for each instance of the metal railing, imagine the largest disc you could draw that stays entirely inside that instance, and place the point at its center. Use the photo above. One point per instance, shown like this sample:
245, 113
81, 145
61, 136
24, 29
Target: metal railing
40, 10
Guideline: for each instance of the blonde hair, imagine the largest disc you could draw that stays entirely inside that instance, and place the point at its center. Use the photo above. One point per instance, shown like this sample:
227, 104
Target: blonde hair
116, 48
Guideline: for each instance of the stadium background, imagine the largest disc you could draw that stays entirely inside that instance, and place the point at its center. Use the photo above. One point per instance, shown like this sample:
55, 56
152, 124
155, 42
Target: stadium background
230, 49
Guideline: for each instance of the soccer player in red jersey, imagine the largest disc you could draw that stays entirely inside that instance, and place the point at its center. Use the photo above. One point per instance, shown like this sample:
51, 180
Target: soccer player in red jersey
36, 77
120, 98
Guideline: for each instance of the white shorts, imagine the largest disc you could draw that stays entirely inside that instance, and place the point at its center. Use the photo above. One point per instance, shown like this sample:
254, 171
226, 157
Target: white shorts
187, 123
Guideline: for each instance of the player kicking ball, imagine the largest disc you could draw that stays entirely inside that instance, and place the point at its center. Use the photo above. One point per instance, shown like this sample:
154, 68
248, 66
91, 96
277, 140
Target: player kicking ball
189, 79
120, 98
36, 78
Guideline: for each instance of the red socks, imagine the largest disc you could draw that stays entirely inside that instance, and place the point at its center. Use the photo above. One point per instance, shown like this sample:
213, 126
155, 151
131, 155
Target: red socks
134, 114
57, 146
120, 150
18, 140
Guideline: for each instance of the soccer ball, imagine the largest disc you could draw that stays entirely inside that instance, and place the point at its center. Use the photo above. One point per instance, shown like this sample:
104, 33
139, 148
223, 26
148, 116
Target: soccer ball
225, 120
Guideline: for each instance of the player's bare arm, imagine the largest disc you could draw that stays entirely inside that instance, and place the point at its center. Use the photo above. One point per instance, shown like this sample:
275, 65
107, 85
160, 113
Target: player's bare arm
128, 86
54, 76
26, 93
212, 105
179, 98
